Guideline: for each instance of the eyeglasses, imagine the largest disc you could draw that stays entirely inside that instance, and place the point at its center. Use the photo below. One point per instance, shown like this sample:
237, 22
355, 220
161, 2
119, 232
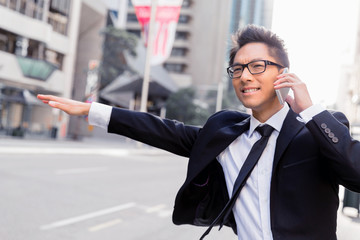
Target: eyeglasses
254, 67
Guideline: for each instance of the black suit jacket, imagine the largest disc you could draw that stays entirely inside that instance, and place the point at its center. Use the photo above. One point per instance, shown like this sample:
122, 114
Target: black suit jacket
309, 164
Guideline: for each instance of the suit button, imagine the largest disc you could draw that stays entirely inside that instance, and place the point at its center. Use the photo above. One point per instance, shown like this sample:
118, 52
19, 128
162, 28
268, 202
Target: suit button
327, 130
331, 135
335, 139
323, 126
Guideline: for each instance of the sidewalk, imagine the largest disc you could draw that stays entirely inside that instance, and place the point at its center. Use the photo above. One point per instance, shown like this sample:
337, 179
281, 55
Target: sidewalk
120, 147
348, 222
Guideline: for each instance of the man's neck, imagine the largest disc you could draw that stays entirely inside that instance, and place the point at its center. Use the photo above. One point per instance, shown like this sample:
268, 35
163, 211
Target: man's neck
263, 116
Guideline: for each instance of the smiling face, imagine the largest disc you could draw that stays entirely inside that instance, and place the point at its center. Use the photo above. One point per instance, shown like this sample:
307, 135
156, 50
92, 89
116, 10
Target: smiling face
257, 91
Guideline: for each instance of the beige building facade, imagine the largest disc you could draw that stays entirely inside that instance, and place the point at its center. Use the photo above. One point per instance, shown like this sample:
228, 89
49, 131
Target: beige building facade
39, 53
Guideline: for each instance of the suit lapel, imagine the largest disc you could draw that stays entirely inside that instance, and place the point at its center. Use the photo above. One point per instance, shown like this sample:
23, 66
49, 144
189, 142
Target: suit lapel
289, 130
217, 143
223, 137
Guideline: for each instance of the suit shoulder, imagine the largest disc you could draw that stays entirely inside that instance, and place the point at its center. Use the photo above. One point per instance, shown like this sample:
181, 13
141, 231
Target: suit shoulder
229, 114
340, 116
226, 117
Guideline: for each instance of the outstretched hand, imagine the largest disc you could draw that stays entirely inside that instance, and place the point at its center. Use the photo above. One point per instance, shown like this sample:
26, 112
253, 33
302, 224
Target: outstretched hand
301, 100
69, 106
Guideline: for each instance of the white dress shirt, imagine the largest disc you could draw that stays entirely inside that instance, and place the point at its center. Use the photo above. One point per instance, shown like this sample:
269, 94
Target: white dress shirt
99, 115
252, 208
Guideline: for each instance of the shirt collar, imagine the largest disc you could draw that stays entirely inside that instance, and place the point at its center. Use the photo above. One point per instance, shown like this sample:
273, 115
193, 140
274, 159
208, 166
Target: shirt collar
276, 120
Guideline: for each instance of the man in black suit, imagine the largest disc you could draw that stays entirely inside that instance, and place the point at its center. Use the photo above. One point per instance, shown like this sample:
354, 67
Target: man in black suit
292, 192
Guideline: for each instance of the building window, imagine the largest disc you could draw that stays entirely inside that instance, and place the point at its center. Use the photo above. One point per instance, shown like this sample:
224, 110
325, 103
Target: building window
7, 41
186, 3
58, 22
184, 19
30, 8
177, 68
60, 6
131, 17
34, 50
3, 42
54, 58
58, 15
135, 32
181, 35
178, 52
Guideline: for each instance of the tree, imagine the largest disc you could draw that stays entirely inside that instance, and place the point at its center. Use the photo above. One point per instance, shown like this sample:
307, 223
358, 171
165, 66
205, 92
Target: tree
184, 107
113, 62
181, 106
229, 101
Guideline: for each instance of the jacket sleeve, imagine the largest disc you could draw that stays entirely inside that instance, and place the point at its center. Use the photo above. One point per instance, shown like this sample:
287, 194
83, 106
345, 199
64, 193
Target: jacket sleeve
339, 149
169, 135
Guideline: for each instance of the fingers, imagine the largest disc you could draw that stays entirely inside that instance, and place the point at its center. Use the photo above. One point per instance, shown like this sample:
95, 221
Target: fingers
302, 99
58, 105
286, 80
289, 100
47, 98
67, 105
44, 98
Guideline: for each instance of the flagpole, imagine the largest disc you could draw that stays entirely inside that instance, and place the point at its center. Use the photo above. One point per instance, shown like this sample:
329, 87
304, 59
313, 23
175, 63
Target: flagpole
149, 51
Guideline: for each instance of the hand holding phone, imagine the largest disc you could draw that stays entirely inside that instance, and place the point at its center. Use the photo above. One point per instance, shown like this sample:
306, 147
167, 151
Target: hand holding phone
282, 92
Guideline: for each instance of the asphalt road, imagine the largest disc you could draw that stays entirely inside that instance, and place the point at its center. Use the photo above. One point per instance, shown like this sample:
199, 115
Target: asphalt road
69, 190
56, 190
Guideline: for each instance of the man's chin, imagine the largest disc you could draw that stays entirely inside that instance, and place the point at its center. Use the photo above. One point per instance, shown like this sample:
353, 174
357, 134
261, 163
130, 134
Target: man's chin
249, 105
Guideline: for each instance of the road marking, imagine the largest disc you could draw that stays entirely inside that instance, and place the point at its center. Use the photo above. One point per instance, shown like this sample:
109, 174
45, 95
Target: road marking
85, 217
80, 170
159, 209
155, 208
77, 151
165, 213
105, 225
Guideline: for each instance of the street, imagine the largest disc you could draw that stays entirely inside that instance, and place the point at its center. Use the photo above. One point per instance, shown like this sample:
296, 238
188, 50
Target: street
73, 190
97, 190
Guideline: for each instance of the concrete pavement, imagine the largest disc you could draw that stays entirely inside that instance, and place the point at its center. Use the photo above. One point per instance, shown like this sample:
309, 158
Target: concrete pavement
348, 222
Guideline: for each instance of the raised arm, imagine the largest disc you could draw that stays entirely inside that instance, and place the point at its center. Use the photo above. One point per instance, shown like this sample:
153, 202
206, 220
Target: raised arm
69, 106
170, 135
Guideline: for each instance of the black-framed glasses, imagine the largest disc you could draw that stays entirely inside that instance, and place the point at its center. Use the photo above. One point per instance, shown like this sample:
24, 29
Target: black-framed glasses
254, 67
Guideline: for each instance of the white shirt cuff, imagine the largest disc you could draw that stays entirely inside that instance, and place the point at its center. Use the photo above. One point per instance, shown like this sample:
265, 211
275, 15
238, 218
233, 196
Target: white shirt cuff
310, 112
99, 115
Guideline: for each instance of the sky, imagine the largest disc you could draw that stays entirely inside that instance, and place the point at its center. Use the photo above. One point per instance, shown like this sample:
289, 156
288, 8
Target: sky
320, 37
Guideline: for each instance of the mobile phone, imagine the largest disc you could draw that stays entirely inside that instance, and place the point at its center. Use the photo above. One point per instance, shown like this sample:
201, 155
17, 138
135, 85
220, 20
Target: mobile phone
282, 92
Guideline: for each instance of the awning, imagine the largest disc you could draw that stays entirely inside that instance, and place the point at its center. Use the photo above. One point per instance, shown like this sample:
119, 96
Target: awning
123, 88
35, 68
21, 96
30, 98
158, 73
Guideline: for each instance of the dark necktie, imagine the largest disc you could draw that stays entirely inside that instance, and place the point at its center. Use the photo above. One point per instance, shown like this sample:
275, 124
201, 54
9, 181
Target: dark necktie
244, 173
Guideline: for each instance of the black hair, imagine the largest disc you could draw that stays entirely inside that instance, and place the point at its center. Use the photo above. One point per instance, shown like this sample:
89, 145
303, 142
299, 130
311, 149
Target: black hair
253, 33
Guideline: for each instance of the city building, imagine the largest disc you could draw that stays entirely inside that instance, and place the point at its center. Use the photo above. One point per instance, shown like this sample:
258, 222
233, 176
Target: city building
38, 54
348, 99
55, 47
200, 52
88, 54
243, 12
126, 51
200, 41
